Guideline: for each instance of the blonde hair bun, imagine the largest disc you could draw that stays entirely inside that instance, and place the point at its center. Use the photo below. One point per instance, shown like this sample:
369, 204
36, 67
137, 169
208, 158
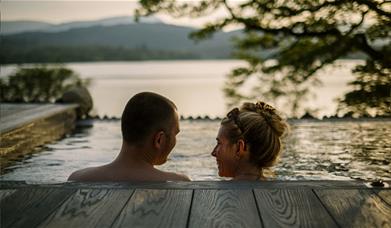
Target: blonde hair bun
269, 113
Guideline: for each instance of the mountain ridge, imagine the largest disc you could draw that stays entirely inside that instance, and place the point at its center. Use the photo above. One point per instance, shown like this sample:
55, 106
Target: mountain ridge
138, 41
21, 26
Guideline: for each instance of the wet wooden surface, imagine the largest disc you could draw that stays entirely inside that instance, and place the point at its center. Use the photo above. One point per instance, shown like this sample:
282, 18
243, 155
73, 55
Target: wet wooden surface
23, 127
13, 116
195, 204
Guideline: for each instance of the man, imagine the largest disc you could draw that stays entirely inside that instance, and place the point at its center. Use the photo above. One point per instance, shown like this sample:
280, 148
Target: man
149, 127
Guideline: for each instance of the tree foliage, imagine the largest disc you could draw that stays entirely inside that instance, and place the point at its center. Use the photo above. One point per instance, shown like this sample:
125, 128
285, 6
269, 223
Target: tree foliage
38, 84
304, 36
371, 92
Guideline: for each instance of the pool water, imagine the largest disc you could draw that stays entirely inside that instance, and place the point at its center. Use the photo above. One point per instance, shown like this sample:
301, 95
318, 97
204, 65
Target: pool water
314, 150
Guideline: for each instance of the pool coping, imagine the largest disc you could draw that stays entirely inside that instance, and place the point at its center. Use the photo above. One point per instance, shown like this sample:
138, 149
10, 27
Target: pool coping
33, 113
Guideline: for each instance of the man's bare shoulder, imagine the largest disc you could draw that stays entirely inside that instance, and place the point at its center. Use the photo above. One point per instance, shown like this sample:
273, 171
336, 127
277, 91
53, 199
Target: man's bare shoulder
103, 173
87, 174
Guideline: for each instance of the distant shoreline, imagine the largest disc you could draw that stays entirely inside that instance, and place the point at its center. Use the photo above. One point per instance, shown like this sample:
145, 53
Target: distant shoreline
141, 60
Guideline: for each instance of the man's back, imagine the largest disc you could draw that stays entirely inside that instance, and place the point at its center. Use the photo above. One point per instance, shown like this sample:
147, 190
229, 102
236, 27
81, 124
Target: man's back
149, 126
108, 173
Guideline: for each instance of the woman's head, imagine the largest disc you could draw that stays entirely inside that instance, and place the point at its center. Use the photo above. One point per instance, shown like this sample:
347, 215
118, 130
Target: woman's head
256, 128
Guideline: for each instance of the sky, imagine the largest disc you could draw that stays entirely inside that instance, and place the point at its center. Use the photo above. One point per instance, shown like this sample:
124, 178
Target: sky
60, 11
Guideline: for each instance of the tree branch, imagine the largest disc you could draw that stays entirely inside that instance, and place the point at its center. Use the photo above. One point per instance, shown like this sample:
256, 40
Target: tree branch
250, 25
360, 41
289, 11
374, 6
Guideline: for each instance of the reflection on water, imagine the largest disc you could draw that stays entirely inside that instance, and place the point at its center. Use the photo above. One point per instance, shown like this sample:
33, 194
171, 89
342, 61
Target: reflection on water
339, 150
323, 150
190, 83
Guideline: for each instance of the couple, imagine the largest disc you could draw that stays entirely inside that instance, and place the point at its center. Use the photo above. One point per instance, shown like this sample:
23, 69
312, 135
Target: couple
247, 142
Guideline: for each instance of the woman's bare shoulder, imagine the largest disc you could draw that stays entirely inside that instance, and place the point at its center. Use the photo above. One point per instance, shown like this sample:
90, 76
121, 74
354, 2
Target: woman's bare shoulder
176, 176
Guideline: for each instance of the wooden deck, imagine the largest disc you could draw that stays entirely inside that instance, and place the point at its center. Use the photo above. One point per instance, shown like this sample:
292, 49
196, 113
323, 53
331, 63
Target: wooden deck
196, 204
26, 126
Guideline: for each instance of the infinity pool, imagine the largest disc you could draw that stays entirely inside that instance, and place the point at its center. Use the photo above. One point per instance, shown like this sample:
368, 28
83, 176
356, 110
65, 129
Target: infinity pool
314, 150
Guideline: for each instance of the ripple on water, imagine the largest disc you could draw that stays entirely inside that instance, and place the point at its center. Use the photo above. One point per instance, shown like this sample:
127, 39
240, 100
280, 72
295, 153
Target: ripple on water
313, 151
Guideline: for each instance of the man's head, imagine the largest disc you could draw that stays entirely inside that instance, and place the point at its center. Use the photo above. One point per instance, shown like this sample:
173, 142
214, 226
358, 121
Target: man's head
150, 118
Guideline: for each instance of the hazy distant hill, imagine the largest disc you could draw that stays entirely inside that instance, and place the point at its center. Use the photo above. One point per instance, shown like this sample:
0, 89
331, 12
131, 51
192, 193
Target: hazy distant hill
14, 27
109, 39
154, 36
116, 42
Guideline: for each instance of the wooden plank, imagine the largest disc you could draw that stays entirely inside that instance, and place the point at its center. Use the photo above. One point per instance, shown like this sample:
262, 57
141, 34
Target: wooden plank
156, 208
28, 115
291, 208
89, 208
13, 184
28, 207
355, 207
385, 194
224, 208
3, 194
21, 140
205, 185
6, 192
8, 109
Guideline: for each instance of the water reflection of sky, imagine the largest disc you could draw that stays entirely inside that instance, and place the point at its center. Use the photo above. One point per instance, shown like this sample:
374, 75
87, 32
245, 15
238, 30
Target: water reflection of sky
195, 85
338, 150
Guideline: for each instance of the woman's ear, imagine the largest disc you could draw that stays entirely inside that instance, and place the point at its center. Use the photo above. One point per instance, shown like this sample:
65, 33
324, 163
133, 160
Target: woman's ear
241, 150
158, 140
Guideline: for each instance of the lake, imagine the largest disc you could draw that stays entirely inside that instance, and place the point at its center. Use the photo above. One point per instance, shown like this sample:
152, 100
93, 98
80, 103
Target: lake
195, 86
314, 150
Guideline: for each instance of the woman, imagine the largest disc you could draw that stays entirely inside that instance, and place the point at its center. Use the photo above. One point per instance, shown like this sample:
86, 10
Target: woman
248, 141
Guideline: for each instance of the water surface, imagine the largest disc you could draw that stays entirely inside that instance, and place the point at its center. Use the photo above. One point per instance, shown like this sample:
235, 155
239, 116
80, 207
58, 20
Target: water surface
314, 150
196, 86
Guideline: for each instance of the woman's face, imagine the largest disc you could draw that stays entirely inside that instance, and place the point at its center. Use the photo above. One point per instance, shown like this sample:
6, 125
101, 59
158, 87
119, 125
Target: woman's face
225, 153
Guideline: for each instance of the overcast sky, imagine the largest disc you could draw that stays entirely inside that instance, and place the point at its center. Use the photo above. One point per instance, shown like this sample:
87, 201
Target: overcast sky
60, 11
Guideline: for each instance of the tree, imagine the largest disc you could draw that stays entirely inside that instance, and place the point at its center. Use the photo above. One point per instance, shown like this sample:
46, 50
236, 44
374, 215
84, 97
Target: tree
304, 37
38, 84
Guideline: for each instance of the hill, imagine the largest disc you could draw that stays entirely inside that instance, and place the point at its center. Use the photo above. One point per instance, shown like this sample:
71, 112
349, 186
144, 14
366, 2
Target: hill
113, 42
14, 27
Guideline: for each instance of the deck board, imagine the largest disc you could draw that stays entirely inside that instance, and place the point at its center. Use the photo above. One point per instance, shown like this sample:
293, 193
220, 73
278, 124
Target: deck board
28, 207
385, 194
6, 192
356, 207
195, 204
89, 208
14, 116
291, 208
156, 208
9, 109
24, 127
196, 185
224, 208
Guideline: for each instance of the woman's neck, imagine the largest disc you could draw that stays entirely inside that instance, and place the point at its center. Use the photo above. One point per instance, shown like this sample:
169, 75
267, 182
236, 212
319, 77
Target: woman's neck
248, 172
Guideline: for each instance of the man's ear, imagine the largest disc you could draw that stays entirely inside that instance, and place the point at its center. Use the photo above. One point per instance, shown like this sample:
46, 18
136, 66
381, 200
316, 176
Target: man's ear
241, 150
158, 139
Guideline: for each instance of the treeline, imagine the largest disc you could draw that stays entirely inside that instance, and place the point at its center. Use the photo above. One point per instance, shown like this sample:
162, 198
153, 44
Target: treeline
63, 54
60, 54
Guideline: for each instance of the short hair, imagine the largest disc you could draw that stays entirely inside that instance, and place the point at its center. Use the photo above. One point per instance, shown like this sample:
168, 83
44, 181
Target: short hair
261, 127
145, 113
